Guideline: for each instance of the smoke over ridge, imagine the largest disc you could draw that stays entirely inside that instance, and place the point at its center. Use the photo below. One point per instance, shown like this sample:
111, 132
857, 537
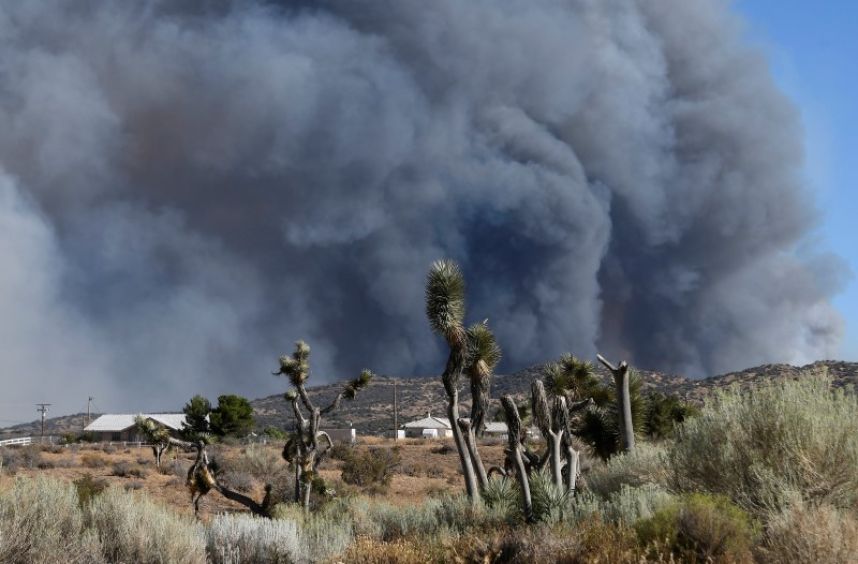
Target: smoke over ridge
187, 188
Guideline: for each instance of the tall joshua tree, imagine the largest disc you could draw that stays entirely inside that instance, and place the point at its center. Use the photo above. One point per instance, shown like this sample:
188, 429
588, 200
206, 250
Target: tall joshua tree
474, 351
309, 445
483, 356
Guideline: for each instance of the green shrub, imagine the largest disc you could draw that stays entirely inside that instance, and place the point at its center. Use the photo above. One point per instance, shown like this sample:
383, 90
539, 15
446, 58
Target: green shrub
764, 448
88, 487
275, 434
502, 495
373, 467
663, 413
551, 504
701, 527
41, 522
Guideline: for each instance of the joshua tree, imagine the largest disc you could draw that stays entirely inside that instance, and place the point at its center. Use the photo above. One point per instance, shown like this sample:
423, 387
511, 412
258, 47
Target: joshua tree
473, 351
483, 355
515, 454
305, 449
309, 445
553, 411
159, 437
624, 403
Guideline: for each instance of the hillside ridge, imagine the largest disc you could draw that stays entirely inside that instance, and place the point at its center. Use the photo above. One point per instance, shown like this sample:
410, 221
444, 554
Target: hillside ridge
372, 411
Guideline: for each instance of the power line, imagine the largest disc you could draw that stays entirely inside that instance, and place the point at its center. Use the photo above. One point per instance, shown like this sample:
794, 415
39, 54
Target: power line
43, 409
88, 405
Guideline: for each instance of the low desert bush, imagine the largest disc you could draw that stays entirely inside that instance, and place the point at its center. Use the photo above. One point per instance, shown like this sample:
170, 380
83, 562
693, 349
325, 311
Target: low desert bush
444, 448
644, 465
88, 487
384, 521
30, 456
701, 528
822, 534
371, 468
238, 481
92, 460
291, 537
126, 470
133, 528
628, 505
341, 451
41, 522
9, 460
762, 449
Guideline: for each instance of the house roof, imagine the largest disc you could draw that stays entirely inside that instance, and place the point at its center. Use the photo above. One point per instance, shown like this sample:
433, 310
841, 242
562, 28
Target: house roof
429, 422
122, 421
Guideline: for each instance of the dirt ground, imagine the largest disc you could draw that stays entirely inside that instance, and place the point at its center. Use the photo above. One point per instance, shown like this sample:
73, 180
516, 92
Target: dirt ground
427, 468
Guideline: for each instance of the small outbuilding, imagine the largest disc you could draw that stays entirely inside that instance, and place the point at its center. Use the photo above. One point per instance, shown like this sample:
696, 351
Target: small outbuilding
121, 427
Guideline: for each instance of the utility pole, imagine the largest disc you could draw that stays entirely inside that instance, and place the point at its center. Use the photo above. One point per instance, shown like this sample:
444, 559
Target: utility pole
395, 413
88, 404
43, 409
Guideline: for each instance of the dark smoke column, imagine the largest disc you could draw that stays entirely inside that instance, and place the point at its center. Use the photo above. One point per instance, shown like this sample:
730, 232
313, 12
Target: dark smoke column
197, 184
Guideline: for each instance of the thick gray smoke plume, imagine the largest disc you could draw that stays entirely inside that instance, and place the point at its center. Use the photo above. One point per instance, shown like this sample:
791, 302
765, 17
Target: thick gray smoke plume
188, 187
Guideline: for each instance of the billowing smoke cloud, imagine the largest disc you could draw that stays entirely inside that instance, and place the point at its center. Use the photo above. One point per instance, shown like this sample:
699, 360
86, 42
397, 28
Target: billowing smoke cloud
187, 188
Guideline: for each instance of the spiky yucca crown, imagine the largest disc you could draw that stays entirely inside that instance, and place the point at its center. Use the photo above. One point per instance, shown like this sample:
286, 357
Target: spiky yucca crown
351, 389
484, 354
569, 375
296, 366
445, 299
152, 431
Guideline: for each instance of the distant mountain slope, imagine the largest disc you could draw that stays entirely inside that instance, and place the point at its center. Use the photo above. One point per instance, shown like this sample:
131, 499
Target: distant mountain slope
372, 411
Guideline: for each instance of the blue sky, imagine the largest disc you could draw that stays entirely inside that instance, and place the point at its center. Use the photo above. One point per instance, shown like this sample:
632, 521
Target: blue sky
813, 50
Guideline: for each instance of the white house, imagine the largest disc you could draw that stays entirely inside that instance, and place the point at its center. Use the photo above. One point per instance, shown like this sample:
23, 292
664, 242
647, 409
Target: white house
121, 427
429, 428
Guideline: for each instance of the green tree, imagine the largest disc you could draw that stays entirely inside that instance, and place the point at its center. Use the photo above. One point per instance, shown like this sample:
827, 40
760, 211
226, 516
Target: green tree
664, 413
197, 412
233, 416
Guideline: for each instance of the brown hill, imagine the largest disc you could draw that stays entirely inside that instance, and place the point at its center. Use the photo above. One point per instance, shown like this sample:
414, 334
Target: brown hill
372, 411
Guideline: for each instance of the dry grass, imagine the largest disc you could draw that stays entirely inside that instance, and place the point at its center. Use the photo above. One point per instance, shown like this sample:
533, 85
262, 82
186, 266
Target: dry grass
424, 473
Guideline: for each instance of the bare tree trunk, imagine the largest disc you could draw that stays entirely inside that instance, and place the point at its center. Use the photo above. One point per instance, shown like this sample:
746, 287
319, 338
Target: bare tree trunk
514, 452
476, 459
555, 440
624, 404
297, 483
572, 464
467, 467
305, 502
